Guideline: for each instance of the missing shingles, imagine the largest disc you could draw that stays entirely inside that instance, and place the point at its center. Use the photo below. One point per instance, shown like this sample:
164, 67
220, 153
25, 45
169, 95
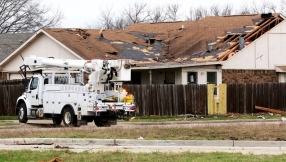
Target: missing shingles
112, 53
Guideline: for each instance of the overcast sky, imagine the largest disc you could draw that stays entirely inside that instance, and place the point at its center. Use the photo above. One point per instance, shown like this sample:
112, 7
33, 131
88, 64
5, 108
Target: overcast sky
81, 13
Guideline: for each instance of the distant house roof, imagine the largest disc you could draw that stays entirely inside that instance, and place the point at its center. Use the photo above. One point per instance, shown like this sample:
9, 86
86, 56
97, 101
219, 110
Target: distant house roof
10, 42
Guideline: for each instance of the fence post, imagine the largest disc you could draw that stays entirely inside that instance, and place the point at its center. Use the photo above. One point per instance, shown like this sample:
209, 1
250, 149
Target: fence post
222, 99
211, 99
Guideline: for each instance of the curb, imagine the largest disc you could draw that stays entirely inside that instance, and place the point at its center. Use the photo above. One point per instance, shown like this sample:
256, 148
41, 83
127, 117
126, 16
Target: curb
128, 142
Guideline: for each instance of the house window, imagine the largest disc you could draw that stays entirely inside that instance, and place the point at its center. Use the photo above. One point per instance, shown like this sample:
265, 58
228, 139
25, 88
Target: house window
169, 78
192, 78
212, 79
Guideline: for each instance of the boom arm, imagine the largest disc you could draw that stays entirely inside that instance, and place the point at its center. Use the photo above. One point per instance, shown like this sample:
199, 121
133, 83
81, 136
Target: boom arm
101, 70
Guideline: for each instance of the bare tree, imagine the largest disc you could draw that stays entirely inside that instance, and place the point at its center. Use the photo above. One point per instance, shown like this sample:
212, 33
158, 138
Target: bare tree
244, 9
120, 23
282, 7
264, 6
226, 10
215, 10
172, 11
107, 18
197, 13
136, 13
25, 16
157, 14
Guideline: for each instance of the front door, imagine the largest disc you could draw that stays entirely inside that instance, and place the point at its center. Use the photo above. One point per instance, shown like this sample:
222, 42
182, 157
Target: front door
32, 93
212, 79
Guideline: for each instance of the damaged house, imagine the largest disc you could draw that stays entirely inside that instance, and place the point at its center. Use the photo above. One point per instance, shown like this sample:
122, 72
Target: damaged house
216, 49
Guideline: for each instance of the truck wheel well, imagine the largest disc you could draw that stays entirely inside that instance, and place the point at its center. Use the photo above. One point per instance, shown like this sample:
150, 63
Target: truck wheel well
18, 104
68, 106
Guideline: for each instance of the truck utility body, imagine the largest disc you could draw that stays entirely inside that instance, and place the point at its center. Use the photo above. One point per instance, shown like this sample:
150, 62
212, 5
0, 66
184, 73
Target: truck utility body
58, 92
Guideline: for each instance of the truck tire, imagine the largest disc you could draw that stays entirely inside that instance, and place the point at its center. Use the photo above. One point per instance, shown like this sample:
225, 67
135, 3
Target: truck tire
22, 113
57, 121
100, 123
68, 117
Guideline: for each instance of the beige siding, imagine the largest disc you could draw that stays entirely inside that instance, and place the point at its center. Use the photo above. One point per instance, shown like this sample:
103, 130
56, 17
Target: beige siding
263, 54
42, 47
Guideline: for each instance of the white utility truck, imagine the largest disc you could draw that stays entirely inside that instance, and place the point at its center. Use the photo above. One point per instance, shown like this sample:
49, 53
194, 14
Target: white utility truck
56, 90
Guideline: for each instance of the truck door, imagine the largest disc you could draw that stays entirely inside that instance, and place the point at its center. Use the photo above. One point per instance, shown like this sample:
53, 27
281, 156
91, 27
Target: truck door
32, 93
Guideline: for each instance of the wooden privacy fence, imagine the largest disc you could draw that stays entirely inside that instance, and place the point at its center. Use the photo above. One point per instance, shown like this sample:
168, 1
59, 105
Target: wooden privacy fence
242, 98
162, 99
8, 96
10, 90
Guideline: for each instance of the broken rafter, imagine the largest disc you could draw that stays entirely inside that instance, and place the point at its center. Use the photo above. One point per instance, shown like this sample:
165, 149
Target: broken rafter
261, 27
232, 48
222, 58
257, 29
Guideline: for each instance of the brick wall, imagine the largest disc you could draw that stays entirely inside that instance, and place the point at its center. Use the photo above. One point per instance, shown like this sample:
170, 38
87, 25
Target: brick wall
249, 76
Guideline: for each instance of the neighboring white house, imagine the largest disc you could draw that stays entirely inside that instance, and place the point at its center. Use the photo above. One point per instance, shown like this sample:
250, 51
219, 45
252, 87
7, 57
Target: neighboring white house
40, 44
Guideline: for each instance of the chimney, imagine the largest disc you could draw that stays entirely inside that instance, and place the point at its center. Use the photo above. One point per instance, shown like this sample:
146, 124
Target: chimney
241, 43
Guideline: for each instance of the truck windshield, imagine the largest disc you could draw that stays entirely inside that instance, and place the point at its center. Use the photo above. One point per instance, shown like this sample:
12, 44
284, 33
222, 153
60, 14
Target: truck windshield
34, 84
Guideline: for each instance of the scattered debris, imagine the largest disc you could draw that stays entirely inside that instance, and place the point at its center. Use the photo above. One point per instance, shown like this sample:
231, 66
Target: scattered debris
140, 138
58, 159
283, 119
114, 143
234, 115
280, 139
100, 34
261, 116
61, 147
233, 138
117, 42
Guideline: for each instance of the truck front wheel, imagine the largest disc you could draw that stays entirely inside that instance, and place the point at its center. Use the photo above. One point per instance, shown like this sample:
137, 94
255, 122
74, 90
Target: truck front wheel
22, 113
68, 117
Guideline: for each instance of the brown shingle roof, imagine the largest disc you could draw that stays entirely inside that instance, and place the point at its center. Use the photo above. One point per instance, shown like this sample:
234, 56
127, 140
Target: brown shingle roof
184, 39
195, 34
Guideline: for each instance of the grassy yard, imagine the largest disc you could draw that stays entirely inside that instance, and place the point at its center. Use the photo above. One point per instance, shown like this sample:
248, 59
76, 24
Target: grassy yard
155, 118
7, 123
260, 131
118, 156
8, 118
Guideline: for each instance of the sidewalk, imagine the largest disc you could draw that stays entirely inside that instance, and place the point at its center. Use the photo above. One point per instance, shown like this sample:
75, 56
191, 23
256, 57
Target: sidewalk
96, 145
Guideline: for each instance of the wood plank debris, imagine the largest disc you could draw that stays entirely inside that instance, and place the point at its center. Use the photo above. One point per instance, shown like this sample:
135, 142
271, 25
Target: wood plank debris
270, 110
